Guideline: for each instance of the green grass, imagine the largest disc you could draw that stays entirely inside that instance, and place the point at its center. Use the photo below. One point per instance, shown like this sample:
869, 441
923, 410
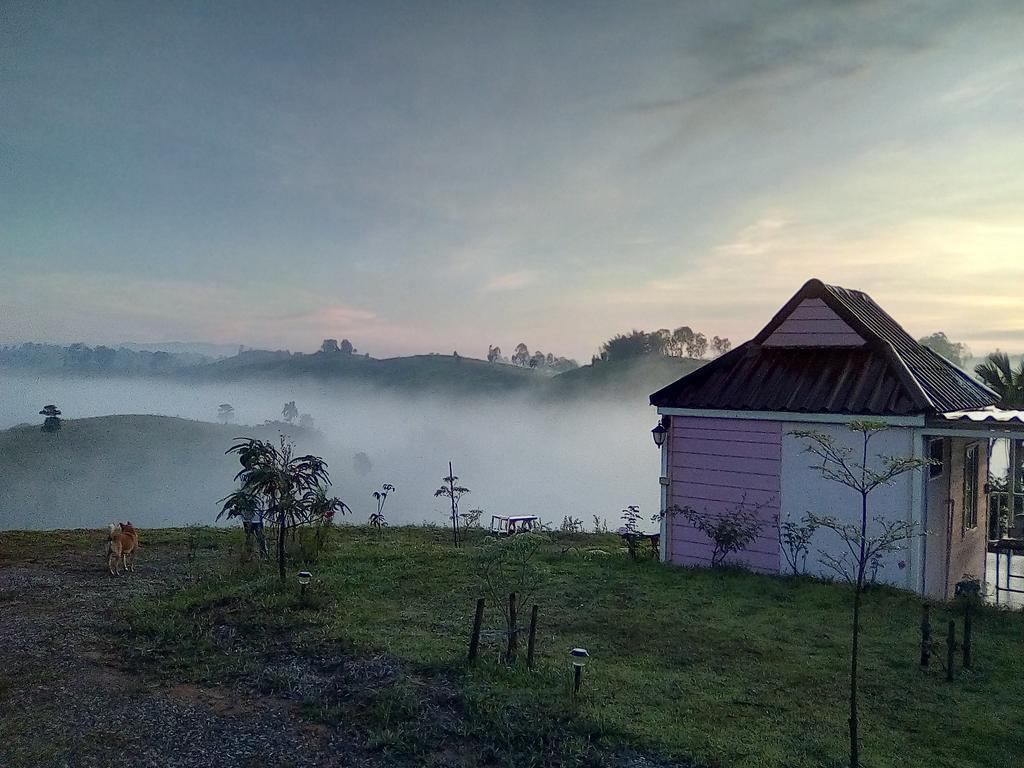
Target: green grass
717, 667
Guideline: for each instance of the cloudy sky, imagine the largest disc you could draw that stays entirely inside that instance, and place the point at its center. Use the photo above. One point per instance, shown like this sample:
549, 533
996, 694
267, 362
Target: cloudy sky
434, 176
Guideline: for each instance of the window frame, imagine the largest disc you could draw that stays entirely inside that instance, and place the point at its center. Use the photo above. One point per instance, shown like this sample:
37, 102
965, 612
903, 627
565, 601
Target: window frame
970, 500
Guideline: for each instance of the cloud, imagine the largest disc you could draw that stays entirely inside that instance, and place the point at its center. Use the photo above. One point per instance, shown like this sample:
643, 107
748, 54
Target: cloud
511, 281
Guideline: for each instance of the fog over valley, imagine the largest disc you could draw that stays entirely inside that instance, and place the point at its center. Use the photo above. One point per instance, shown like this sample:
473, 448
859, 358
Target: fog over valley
578, 458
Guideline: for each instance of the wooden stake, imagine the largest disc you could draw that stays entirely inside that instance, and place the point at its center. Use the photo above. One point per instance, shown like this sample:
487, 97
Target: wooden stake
510, 653
926, 636
531, 644
474, 638
967, 635
950, 650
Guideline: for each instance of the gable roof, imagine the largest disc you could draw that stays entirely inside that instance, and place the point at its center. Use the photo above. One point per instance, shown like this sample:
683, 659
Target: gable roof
872, 367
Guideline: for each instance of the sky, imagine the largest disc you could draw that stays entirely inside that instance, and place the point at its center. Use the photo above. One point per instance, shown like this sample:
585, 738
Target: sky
442, 176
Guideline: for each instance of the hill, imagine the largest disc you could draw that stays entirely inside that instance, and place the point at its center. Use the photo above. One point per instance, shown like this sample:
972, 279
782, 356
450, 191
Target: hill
151, 470
635, 377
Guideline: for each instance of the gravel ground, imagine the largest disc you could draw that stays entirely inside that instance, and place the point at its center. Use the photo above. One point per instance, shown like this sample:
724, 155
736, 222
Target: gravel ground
66, 699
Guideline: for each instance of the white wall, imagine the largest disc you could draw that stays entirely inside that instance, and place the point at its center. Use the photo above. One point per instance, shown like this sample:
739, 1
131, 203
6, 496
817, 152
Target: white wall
803, 490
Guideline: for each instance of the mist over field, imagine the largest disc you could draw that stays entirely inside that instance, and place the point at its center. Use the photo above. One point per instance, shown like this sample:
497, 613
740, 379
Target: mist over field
517, 455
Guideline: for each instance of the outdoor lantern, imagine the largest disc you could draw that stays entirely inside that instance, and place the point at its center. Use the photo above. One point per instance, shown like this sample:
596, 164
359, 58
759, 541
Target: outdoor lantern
659, 433
579, 659
304, 578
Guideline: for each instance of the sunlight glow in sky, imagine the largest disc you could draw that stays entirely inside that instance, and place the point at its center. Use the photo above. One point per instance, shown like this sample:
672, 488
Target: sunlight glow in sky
438, 176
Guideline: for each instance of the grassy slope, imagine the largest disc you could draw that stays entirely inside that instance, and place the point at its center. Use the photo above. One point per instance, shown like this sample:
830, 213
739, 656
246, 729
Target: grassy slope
636, 377
725, 667
128, 467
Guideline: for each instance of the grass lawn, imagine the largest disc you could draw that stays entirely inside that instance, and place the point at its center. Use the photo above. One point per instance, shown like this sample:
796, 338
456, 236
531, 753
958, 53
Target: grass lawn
710, 667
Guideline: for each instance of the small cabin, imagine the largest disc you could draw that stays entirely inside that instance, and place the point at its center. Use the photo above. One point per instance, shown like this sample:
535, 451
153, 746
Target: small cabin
829, 357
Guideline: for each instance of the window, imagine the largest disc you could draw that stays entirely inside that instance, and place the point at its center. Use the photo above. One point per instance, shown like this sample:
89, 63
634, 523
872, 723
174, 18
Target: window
971, 487
936, 454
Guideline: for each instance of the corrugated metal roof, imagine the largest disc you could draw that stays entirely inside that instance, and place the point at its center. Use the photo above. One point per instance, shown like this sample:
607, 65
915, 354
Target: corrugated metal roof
892, 374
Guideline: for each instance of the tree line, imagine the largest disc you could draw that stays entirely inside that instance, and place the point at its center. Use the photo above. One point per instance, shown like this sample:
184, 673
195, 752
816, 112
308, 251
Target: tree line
682, 342
536, 360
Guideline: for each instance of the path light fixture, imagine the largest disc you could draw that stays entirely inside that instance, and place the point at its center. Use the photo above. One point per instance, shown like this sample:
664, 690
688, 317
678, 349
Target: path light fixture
579, 660
304, 578
659, 433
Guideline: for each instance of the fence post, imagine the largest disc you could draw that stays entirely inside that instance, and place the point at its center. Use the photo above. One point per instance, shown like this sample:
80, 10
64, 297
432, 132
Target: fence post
474, 638
531, 644
967, 635
510, 653
926, 636
950, 650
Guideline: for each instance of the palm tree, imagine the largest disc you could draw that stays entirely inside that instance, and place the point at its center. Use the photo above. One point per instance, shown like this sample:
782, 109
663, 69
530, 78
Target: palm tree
998, 375
292, 489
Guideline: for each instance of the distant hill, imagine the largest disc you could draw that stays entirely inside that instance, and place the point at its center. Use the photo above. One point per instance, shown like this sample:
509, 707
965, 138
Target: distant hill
635, 377
152, 470
447, 374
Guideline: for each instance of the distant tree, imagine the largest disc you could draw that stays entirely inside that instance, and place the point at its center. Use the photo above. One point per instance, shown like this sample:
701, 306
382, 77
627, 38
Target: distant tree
291, 490
225, 413
998, 374
453, 493
636, 344
362, 464
306, 421
522, 355
955, 352
329, 346
698, 346
290, 412
549, 360
537, 360
104, 357
493, 354
720, 345
346, 347
681, 339
51, 420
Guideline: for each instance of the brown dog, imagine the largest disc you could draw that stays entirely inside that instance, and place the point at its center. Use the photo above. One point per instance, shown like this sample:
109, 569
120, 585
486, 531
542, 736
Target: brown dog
122, 544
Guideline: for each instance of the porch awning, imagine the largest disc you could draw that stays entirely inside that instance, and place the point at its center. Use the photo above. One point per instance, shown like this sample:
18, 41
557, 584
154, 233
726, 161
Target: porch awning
983, 415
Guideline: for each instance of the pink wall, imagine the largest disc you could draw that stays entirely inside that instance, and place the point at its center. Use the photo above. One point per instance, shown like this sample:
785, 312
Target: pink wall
813, 324
713, 465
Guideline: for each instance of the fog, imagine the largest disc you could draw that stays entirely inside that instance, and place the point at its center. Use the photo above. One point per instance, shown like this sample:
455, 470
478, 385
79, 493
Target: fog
517, 456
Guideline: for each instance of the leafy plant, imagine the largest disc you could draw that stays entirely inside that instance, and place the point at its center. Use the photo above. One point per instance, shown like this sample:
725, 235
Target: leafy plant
796, 543
506, 565
837, 463
377, 519
572, 524
454, 494
290, 490
51, 420
600, 525
471, 519
729, 532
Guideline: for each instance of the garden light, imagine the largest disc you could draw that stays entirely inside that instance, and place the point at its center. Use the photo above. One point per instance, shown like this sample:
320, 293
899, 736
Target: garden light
579, 659
304, 578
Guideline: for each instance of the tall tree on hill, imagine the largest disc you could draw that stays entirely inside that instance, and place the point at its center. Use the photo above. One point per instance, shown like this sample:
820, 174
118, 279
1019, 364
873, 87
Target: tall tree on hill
225, 413
999, 375
698, 346
346, 347
681, 339
635, 344
521, 355
720, 345
954, 351
51, 419
329, 346
290, 412
493, 354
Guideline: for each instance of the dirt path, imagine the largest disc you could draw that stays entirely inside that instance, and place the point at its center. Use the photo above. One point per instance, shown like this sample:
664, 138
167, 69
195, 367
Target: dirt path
67, 699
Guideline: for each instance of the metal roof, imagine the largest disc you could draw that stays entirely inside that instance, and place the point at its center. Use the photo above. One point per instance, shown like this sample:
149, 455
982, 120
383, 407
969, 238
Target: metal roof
891, 374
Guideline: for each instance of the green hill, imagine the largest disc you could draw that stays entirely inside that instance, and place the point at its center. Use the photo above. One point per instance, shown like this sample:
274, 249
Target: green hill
447, 374
632, 378
152, 470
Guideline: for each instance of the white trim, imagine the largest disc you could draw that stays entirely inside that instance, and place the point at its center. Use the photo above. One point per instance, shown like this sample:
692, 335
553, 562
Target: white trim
973, 433
664, 491
791, 416
916, 516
